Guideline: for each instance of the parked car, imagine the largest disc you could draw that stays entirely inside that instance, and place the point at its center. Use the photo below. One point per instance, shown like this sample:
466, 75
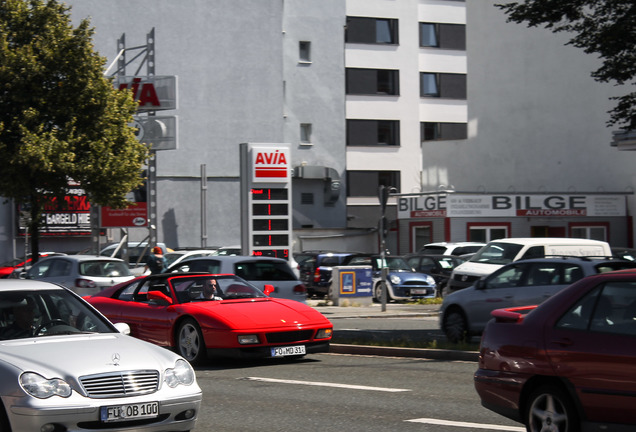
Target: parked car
402, 282
177, 256
243, 323
570, 363
259, 271
138, 253
451, 248
439, 267
83, 274
465, 313
11, 269
498, 253
229, 251
316, 270
66, 367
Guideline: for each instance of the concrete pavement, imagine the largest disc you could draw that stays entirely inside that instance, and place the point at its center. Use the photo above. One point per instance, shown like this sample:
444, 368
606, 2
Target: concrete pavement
392, 310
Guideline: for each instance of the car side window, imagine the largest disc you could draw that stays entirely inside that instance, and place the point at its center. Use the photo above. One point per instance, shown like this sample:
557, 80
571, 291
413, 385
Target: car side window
571, 273
59, 268
425, 266
541, 274
609, 308
534, 252
507, 277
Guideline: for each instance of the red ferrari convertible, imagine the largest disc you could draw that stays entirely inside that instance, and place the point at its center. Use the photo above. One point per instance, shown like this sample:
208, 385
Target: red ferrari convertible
205, 315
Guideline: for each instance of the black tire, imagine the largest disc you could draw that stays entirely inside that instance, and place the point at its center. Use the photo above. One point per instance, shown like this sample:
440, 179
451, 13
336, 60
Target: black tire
456, 326
4, 420
549, 407
189, 341
377, 293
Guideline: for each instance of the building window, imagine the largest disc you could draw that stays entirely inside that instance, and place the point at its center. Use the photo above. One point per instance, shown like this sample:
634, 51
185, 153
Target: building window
373, 132
443, 85
484, 233
366, 183
589, 230
304, 51
305, 133
443, 131
372, 81
371, 30
444, 36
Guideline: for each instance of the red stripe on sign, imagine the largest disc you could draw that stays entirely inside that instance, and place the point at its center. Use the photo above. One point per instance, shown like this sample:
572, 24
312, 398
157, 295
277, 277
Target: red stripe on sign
270, 172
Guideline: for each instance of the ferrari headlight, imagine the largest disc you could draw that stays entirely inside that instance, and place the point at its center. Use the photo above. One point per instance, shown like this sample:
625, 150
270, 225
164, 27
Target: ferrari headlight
248, 339
324, 333
182, 373
42, 388
395, 279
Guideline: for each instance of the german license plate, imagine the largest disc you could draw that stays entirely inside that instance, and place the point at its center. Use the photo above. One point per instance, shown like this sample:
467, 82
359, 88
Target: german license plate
288, 351
419, 291
136, 411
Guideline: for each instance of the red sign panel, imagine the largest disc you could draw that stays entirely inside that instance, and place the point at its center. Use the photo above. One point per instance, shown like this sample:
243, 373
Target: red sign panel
136, 215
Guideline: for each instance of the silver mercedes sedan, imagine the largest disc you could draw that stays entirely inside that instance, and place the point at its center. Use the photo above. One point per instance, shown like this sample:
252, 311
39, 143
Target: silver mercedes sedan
65, 367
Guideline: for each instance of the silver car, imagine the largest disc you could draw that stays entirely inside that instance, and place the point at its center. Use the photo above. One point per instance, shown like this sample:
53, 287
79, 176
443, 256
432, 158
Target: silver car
259, 271
84, 274
65, 367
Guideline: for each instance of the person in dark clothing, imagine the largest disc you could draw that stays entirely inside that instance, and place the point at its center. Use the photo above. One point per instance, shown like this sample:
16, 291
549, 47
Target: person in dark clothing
156, 261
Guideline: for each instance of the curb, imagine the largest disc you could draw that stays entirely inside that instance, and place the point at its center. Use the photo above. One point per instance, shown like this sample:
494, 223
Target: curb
434, 354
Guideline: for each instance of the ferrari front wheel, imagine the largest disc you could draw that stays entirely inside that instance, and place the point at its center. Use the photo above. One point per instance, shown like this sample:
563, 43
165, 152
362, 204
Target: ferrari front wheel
190, 343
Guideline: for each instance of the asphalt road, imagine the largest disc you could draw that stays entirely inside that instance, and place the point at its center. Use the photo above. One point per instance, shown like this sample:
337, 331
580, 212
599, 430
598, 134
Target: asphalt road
335, 392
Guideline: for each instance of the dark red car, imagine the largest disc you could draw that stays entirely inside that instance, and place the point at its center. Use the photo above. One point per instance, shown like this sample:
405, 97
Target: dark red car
570, 363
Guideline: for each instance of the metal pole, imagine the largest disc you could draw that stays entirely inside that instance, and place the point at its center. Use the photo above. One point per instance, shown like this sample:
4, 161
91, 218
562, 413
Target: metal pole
204, 190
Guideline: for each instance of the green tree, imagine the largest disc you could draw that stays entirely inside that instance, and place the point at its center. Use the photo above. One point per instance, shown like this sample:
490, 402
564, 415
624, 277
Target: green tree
61, 120
606, 28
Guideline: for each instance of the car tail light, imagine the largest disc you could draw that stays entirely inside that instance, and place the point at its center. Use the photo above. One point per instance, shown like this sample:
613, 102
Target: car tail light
85, 283
317, 275
300, 289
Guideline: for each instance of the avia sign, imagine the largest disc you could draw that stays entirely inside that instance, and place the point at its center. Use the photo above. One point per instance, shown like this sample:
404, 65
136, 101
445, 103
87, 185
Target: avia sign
154, 93
270, 164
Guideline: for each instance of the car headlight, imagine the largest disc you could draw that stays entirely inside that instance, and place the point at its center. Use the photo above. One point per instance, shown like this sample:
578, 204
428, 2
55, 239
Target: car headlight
430, 280
324, 333
42, 388
181, 373
395, 279
248, 339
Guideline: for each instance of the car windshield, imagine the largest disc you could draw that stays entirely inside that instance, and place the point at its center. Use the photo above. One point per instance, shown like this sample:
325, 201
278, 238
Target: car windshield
393, 263
497, 253
261, 270
104, 268
172, 257
190, 289
26, 314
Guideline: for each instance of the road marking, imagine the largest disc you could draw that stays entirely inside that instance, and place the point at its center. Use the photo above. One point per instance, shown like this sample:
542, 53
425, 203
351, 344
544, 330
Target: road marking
326, 384
467, 425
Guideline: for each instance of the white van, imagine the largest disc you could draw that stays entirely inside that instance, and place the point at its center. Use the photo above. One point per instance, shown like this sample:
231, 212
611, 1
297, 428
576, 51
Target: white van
500, 252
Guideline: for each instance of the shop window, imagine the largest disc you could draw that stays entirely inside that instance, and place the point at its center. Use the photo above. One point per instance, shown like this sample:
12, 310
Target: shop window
443, 85
373, 132
592, 231
443, 131
487, 232
366, 183
371, 30
444, 36
372, 81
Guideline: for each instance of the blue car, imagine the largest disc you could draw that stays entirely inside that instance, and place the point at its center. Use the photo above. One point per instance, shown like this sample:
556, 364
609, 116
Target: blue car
402, 282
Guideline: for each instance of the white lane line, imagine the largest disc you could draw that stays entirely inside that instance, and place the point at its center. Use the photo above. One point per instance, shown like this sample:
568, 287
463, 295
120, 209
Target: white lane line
467, 425
326, 384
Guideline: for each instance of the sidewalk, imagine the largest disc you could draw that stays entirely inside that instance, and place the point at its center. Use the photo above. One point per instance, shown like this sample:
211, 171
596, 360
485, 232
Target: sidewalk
392, 310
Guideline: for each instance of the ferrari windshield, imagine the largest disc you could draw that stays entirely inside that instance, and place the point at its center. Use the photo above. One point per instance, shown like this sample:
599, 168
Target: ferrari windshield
227, 287
31, 313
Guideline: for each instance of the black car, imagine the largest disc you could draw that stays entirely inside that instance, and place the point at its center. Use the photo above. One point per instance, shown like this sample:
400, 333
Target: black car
316, 269
439, 267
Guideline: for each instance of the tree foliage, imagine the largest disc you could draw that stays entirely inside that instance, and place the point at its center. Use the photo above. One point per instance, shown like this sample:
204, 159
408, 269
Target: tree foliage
603, 27
60, 118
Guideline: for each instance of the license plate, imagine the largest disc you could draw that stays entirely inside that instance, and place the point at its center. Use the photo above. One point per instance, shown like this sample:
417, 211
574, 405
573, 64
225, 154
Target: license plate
136, 411
288, 351
419, 292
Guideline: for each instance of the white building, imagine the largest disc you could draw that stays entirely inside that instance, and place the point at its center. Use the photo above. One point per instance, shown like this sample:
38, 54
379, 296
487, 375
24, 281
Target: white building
421, 95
